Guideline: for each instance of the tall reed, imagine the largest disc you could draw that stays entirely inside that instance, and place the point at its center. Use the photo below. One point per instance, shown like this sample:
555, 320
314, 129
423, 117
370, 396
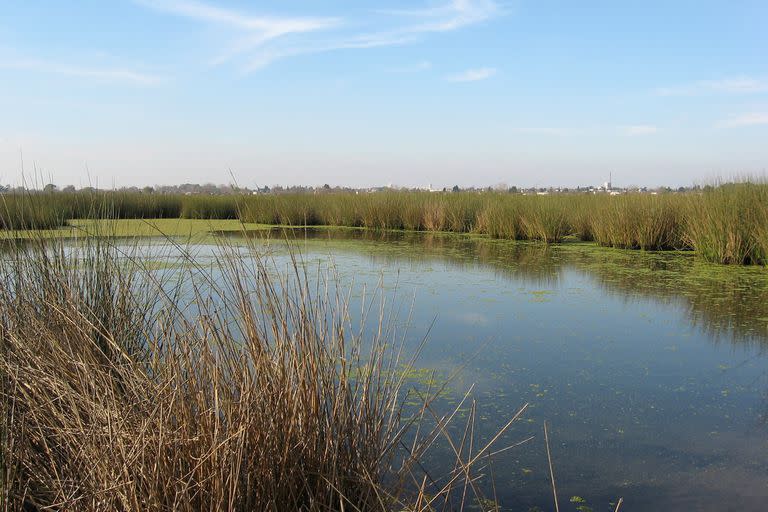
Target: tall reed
236, 386
727, 224
637, 222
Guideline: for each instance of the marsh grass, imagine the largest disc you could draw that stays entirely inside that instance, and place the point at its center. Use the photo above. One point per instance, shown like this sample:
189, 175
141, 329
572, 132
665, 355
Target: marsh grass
234, 385
728, 224
637, 222
26, 212
723, 224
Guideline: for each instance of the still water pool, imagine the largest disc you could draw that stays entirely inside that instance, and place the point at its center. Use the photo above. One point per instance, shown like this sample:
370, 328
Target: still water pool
650, 369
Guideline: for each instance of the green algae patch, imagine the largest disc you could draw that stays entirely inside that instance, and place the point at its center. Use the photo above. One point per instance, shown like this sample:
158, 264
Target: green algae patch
173, 228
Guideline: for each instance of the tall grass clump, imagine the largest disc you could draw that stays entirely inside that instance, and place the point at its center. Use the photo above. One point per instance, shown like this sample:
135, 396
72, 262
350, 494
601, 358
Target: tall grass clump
210, 207
123, 205
500, 218
546, 219
234, 387
761, 230
635, 221
22, 211
727, 224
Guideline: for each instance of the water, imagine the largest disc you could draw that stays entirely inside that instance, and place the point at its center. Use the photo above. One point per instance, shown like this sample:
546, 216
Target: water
650, 369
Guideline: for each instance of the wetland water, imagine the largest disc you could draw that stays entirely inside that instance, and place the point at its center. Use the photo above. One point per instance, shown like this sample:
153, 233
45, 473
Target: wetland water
651, 369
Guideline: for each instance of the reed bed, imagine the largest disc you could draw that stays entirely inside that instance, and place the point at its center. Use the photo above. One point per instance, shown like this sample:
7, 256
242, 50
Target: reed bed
638, 222
232, 386
724, 224
728, 224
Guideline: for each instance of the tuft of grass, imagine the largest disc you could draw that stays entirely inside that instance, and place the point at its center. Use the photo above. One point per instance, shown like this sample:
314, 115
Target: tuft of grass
234, 386
546, 219
727, 224
635, 221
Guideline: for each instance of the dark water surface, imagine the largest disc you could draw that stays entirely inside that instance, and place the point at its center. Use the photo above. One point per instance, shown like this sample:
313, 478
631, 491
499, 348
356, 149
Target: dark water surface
650, 369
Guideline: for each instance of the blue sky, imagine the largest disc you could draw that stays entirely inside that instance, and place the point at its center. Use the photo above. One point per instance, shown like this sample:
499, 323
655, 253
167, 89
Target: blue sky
442, 92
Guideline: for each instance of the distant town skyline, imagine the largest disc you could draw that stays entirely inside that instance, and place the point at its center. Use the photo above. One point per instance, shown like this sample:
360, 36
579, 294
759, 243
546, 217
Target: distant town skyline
363, 94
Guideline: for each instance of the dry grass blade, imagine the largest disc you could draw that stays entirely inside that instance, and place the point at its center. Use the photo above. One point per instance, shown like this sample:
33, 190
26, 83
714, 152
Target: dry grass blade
551, 469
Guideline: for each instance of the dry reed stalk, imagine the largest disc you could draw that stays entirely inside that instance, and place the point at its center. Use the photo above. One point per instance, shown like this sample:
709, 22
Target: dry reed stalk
232, 386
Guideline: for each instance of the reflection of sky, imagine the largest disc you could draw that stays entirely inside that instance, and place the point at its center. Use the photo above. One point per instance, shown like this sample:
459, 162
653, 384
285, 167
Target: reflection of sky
642, 403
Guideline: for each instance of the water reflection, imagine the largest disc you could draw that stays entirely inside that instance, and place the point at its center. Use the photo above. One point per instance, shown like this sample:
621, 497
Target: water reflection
727, 302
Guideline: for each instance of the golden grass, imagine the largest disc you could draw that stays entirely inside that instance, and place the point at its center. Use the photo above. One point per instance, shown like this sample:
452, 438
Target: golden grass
236, 386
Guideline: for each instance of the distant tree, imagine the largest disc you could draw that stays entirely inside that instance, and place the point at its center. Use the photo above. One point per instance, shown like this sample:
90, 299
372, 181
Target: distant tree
69, 189
148, 190
455, 188
326, 187
513, 189
50, 188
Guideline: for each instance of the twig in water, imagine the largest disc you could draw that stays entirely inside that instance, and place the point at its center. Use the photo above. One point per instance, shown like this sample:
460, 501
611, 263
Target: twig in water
551, 471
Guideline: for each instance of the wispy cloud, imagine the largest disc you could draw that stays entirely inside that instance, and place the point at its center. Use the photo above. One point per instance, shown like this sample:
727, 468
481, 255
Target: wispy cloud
748, 119
639, 129
451, 16
472, 75
99, 74
252, 31
261, 40
267, 56
269, 26
734, 85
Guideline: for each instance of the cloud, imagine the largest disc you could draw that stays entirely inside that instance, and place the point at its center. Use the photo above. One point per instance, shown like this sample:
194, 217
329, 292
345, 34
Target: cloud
451, 16
266, 57
472, 75
269, 27
639, 129
253, 31
116, 75
734, 85
748, 119
262, 40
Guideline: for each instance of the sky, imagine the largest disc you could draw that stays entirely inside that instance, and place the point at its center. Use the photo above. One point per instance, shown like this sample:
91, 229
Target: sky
114, 93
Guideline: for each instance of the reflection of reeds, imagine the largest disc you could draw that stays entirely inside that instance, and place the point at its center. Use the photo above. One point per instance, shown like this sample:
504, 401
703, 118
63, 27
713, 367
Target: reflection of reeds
127, 388
725, 302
